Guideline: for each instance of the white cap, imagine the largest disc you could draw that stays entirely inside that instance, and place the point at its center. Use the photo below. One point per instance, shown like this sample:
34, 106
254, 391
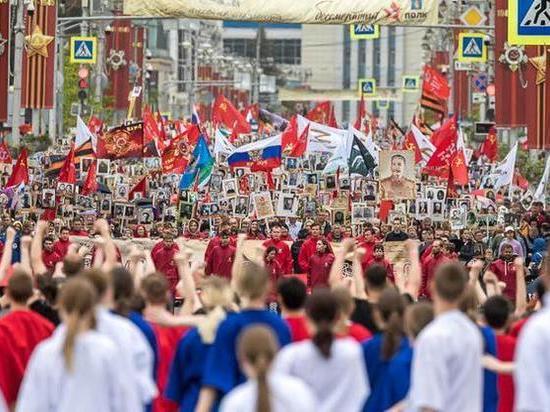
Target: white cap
509, 229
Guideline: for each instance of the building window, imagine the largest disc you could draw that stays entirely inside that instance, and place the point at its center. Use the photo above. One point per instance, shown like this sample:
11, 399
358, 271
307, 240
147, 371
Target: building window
362, 59
376, 60
240, 47
287, 51
391, 56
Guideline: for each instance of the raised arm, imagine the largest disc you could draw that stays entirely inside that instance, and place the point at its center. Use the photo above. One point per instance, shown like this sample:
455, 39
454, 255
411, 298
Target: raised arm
25, 254
238, 262
358, 291
109, 249
521, 288
475, 270
412, 284
5, 262
37, 263
186, 285
335, 276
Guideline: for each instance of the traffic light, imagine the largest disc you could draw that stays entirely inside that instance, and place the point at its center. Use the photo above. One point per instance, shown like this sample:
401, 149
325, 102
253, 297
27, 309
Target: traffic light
83, 84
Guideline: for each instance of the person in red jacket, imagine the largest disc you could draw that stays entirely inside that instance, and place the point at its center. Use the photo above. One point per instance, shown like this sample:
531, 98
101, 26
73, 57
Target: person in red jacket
284, 257
220, 260
292, 295
367, 242
49, 256
254, 232
319, 265
163, 257
505, 270
429, 266
192, 231
78, 228
378, 258
309, 247
275, 273
337, 234
216, 240
61, 245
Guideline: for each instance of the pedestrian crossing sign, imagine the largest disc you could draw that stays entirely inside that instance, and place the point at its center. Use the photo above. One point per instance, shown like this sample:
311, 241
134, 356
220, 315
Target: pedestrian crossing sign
364, 31
367, 87
471, 48
83, 50
411, 83
528, 22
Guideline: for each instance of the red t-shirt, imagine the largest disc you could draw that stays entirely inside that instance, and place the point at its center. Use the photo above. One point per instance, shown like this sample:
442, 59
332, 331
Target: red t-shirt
319, 269
505, 272
163, 258
357, 332
429, 266
50, 258
20, 332
61, 247
220, 261
298, 328
275, 273
506, 348
167, 343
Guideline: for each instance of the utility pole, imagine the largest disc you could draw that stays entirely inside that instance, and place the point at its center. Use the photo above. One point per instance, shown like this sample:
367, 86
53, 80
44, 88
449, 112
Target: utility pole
17, 74
99, 63
256, 77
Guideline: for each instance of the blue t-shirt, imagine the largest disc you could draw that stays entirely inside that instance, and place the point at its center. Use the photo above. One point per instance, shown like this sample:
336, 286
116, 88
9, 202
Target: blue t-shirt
490, 392
16, 248
377, 371
222, 370
149, 334
399, 376
187, 370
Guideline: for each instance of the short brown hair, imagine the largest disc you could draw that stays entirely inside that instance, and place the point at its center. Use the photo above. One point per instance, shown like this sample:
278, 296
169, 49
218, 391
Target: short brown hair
155, 288
20, 287
72, 265
450, 281
253, 281
98, 279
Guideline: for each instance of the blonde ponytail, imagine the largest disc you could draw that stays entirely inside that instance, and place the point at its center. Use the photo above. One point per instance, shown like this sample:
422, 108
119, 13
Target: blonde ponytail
77, 301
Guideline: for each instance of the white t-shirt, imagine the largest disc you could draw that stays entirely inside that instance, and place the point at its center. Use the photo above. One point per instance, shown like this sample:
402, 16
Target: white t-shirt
96, 382
532, 374
287, 394
446, 370
339, 383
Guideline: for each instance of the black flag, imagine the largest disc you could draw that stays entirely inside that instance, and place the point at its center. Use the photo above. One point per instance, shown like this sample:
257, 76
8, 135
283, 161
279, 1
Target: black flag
360, 161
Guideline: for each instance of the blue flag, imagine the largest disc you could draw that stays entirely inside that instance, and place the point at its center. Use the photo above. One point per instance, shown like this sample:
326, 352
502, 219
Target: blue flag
201, 165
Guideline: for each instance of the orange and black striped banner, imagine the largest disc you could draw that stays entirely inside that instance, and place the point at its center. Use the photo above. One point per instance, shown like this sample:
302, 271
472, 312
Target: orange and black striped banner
4, 58
57, 161
37, 88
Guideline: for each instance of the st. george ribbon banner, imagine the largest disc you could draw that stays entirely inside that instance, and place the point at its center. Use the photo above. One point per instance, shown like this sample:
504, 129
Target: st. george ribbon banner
385, 12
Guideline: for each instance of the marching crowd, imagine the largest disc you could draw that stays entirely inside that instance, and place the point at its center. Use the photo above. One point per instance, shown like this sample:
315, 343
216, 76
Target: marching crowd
312, 318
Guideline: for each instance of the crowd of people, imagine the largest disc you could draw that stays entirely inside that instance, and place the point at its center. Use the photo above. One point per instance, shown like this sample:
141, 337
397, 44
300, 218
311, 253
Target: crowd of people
281, 314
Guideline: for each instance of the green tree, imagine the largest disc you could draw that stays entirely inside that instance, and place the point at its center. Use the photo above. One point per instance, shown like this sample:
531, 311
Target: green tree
531, 168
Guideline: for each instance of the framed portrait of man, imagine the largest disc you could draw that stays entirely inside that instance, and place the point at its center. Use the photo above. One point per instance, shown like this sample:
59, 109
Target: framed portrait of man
287, 205
397, 176
263, 205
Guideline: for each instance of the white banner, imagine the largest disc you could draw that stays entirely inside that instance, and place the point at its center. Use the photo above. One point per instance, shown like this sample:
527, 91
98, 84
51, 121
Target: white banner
385, 12
321, 138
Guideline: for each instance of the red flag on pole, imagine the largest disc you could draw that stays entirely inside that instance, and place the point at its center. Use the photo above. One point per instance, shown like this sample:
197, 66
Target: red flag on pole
489, 147
410, 144
67, 174
225, 113
320, 113
290, 136
435, 83
20, 173
360, 113
90, 184
332, 118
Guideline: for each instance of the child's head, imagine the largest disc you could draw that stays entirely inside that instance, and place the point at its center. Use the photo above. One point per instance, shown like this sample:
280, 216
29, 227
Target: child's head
497, 310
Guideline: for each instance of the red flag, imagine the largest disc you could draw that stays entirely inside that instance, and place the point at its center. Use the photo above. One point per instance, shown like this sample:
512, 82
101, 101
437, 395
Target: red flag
140, 187
301, 144
162, 126
121, 142
151, 134
192, 134
446, 148
435, 83
95, 125
225, 113
441, 134
20, 173
90, 185
175, 157
332, 119
5, 155
360, 113
489, 147
67, 174
289, 137
410, 144
459, 169
320, 113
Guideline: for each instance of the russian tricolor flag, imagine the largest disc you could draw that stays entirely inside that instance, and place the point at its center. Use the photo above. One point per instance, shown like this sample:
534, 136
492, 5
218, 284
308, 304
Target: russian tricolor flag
262, 155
